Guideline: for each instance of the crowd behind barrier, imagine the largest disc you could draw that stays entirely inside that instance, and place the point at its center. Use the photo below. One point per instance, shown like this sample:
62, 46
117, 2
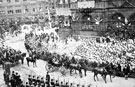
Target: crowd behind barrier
111, 51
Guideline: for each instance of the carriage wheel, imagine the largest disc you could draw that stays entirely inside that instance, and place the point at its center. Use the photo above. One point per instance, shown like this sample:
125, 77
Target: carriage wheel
63, 71
48, 68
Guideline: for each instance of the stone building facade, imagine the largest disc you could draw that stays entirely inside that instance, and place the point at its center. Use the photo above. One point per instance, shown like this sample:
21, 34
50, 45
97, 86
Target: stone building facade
102, 15
22, 8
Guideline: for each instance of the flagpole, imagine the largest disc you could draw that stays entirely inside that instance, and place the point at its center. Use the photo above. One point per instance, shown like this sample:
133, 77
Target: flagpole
50, 25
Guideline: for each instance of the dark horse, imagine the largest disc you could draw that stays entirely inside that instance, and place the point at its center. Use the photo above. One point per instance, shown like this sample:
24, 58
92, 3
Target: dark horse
73, 65
31, 59
104, 71
2, 63
21, 57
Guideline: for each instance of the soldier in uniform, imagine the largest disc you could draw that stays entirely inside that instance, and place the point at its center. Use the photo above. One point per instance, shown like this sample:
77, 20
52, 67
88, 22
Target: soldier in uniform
83, 85
34, 80
52, 83
4, 74
27, 85
126, 71
80, 71
66, 84
38, 81
48, 77
12, 82
57, 84
21, 84
13, 74
78, 85
42, 82
30, 79
62, 85
47, 83
18, 80
71, 84
6, 78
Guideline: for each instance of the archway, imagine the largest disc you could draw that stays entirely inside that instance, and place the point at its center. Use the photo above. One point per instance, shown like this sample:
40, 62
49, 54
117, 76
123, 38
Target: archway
86, 18
118, 17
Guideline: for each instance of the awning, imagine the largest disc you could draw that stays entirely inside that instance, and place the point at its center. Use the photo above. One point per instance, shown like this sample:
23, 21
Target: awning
86, 4
63, 11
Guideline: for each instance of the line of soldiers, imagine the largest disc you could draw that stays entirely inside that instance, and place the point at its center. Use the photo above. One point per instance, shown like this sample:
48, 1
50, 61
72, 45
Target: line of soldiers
15, 80
34, 81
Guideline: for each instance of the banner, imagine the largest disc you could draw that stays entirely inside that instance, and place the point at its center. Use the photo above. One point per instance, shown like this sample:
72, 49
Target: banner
86, 4
63, 11
73, 0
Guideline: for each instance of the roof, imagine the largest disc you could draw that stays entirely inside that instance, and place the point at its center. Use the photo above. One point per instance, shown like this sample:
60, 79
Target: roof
127, 4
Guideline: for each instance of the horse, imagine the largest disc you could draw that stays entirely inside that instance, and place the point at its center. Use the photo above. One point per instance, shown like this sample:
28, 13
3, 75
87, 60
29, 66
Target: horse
2, 63
27, 47
21, 57
72, 65
31, 59
104, 71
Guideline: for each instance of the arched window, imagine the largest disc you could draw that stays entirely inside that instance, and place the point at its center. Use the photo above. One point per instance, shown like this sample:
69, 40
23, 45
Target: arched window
132, 19
86, 18
118, 19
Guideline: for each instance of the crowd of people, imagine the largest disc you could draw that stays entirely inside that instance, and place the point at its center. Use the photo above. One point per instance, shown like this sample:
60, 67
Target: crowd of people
97, 49
120, 53
8, 54
111, 51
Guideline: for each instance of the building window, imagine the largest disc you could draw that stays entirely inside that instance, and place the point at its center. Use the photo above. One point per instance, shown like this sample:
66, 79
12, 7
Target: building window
26, 10
52, 7
16, 0
1, 0
18, 11
10, 11
46, 7
8, 1
34, 9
